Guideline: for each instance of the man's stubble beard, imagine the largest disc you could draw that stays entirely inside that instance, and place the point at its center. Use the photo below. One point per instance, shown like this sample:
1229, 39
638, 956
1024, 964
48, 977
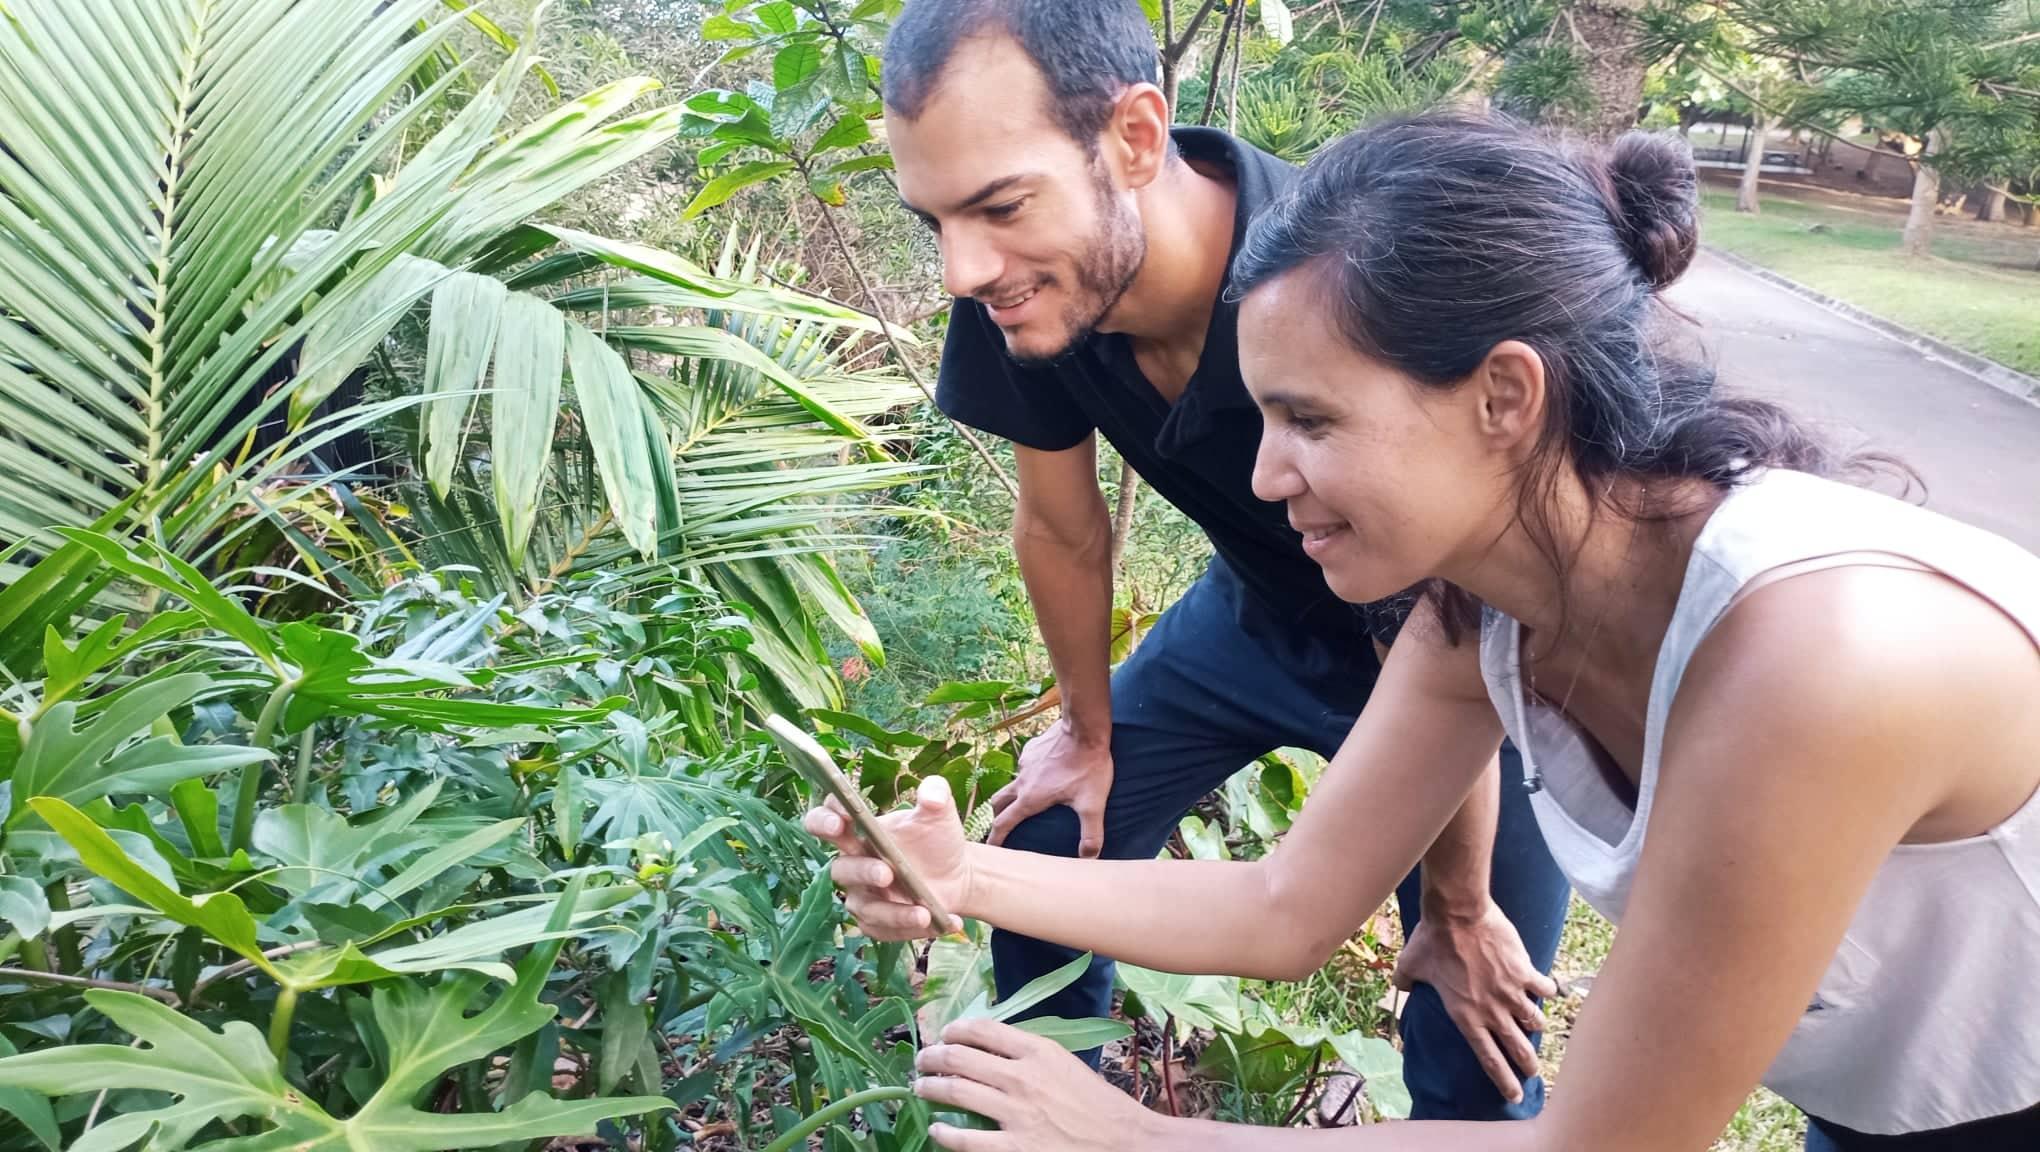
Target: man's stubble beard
1105, 273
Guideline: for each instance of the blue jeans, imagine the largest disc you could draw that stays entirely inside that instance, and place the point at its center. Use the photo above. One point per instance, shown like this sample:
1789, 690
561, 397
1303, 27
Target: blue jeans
1218, 682
2017, 1132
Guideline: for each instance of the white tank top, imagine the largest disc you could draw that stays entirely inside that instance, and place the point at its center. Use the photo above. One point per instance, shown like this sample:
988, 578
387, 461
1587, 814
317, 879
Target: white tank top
1929, 1014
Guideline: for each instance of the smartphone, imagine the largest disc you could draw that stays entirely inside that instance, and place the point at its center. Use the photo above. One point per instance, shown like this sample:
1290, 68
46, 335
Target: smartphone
812, 761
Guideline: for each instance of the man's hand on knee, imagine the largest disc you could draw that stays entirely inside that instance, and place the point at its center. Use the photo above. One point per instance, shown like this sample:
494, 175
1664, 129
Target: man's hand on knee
1057, 768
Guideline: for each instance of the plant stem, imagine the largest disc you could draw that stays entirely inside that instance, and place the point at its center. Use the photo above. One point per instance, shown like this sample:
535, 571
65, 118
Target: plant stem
240, 967
796, 1137
57, 978
59, 896
9, 945
1168, 1054
279, 1024
251, 776
1232, 15
35, 955
302, 778
1309, 1081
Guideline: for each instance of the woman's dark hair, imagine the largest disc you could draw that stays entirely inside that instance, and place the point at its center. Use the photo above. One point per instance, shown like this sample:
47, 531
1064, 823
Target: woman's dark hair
1439, 236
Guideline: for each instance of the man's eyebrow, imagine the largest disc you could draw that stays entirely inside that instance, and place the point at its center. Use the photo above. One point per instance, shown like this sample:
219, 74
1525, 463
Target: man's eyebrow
980, 196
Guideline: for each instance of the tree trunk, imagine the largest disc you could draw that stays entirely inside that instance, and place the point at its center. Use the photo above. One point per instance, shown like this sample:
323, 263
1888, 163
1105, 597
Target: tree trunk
1607, 39
1993, 210
1753, 163
1919, 223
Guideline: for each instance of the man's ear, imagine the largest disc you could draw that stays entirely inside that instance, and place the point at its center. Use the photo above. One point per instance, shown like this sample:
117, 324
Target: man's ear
1510, 388
1139, 129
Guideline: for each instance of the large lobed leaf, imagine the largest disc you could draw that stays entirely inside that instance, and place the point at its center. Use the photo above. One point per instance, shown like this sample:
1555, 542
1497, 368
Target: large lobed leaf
230, 1074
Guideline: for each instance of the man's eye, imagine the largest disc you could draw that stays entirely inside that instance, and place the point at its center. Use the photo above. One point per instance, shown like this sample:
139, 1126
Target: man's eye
1005, 211
1306, 424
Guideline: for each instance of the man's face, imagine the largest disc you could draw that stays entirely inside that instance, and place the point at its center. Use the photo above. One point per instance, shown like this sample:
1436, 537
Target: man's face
1031, 223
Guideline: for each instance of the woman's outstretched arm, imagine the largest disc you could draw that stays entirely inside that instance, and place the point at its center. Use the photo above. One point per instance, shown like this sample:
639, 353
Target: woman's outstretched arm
1803, 746
1424, 739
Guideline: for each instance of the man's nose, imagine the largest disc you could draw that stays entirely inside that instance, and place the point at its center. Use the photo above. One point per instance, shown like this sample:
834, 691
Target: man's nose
968, 263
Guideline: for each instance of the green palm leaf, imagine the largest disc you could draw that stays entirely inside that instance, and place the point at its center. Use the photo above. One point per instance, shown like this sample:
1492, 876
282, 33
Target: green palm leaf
164, 158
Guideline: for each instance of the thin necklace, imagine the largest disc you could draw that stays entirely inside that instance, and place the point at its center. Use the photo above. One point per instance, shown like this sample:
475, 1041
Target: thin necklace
1534, 782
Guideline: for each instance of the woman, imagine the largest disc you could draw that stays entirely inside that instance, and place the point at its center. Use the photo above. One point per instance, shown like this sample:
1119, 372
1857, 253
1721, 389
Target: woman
1782, 730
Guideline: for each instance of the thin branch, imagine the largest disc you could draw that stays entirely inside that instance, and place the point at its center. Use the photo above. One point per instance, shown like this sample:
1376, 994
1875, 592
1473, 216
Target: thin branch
1232, 15
1367, 41
1190, 30
876, 312
58, 978
2016, 40
1232, 96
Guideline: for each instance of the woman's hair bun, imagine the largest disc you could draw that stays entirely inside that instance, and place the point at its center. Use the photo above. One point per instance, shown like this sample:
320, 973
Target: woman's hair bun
1657, 203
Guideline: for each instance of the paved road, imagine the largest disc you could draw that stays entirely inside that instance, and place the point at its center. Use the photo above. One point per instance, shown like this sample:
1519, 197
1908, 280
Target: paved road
1977, 448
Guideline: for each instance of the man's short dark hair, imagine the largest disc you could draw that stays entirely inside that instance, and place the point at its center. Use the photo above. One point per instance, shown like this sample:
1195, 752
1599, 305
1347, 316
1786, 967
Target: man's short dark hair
1089, 51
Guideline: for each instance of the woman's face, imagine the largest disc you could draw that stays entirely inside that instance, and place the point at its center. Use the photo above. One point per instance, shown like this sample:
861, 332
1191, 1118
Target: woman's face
1389, 482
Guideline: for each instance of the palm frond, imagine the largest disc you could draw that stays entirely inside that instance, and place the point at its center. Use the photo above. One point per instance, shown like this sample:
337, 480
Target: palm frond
162, 159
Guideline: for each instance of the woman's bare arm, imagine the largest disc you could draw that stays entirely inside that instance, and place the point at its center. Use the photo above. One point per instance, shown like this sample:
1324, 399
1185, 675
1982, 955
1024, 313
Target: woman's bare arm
1425, 738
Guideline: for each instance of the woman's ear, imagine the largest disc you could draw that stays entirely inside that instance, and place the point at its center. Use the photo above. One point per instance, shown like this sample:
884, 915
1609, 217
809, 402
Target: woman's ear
1509, 385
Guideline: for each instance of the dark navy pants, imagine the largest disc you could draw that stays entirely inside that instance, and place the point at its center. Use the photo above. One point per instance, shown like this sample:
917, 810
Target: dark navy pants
1217, 683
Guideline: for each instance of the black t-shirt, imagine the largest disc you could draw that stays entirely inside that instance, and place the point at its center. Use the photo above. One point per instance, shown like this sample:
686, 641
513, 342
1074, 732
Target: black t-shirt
1198, 454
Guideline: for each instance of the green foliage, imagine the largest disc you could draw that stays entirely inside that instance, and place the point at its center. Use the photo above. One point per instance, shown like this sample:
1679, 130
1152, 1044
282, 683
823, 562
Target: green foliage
813, 117
1958, 75
497, 821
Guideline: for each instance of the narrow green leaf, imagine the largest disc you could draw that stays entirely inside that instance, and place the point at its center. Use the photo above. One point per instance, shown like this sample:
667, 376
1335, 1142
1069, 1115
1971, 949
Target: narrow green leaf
880, 163
530, 356
1076, 1035
32, 1110
720, 189
1037, 990
623, 1030
220, 914
198, 809
610, 400
466, 313
428, 867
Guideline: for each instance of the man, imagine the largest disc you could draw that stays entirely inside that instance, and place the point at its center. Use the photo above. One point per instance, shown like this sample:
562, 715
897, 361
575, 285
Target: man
1087, 245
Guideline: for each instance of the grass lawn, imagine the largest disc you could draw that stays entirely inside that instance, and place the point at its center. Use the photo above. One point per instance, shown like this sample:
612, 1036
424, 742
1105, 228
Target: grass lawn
1977, 292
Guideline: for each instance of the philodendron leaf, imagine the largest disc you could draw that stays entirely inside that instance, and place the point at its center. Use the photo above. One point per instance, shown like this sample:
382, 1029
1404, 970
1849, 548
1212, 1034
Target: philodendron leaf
79, 764
32, 1110
1381, 1071
23, 907
231, 1075
1035, 992
157, 568
220, 915
1076, 1035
